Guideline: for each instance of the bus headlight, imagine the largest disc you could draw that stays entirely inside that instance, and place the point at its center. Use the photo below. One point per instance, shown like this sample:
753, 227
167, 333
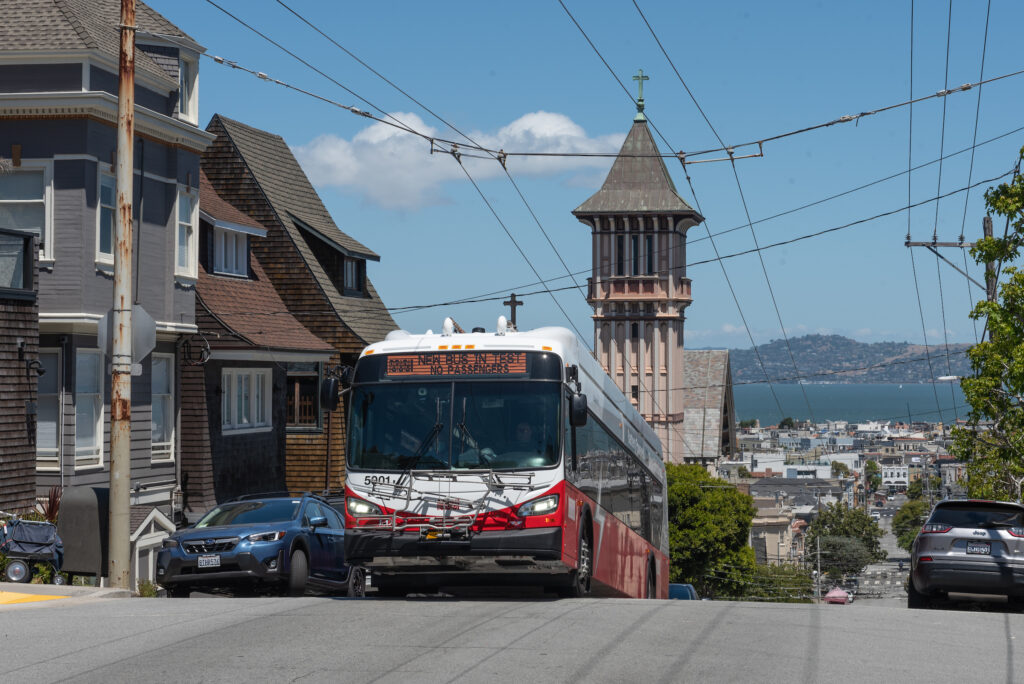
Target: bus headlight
359, 507
541, 506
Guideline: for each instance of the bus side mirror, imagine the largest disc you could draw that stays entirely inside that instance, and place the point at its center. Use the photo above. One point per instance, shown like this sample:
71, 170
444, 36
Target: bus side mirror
578, 410
329, 393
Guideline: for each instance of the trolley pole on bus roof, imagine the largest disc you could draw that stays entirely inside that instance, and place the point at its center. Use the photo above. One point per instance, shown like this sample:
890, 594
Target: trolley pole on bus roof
118, 541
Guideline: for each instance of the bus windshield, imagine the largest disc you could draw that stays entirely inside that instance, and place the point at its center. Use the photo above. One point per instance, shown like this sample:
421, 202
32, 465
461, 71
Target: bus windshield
461, 425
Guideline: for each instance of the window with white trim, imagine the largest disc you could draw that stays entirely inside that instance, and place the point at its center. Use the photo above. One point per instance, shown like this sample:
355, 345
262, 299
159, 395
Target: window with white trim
185, 252
88, 408
188, 75
230, 252
105, 218
162, 408
245, 400
25, 198
48, 411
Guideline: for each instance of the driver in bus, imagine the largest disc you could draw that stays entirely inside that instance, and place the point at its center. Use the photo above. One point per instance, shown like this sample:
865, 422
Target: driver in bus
524, 437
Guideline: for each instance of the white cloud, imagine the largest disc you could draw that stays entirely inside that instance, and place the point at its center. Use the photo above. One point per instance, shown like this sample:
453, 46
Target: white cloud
395, 169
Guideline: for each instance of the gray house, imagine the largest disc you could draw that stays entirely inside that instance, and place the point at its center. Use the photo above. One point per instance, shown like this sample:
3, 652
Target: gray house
58, 114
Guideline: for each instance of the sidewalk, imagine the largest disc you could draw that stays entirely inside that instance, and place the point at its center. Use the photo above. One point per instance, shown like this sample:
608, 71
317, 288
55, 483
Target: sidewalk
14, 593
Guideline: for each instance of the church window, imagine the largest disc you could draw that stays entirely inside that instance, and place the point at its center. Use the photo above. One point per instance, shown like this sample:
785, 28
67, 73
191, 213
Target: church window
620, 256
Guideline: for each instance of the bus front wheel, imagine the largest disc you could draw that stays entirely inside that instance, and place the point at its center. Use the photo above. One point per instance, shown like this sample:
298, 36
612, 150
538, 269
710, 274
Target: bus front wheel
579, 585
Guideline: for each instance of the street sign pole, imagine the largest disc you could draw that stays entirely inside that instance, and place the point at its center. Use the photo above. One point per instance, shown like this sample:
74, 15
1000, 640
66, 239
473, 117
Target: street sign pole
119, 545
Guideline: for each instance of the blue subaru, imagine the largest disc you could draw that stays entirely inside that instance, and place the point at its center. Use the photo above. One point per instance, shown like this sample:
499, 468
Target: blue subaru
278, 541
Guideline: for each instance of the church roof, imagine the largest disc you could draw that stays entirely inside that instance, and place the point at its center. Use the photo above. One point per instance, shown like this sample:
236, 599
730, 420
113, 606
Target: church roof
638, 182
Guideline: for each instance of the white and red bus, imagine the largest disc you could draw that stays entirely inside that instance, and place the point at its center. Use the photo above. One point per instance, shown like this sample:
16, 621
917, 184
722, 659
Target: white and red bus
501, 458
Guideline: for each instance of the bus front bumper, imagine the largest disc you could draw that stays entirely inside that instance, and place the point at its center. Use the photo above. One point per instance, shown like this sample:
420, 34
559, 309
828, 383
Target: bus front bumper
408, 548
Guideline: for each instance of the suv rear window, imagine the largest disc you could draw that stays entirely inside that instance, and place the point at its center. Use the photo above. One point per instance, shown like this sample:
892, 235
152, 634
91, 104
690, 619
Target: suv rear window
977, 515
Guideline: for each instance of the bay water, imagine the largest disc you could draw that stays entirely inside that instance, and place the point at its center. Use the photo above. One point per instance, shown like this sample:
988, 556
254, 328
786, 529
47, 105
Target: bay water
856, 403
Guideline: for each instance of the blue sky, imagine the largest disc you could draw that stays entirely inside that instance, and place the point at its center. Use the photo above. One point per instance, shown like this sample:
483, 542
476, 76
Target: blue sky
521, 76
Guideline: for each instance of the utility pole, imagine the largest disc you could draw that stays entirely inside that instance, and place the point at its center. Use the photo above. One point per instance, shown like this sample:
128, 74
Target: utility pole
817, 579
119, 546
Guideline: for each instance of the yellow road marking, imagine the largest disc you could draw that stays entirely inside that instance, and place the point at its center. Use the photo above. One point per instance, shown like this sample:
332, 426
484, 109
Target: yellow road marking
8, 597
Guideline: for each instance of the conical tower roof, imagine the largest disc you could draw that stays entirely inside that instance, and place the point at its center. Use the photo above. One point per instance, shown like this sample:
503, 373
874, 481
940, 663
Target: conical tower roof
638, 182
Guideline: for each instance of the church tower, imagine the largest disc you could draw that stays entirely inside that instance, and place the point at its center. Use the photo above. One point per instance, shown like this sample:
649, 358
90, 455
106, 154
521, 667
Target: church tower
638, 285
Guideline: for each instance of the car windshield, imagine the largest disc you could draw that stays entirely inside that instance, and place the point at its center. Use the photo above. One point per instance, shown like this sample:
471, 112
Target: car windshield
978, 515
455, 425
251, 512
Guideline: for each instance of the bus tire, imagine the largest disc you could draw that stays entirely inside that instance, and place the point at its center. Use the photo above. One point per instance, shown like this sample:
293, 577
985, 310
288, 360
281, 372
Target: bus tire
579, 579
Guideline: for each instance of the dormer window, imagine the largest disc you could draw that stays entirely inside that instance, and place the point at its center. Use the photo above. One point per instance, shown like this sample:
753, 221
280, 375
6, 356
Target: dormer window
230, 252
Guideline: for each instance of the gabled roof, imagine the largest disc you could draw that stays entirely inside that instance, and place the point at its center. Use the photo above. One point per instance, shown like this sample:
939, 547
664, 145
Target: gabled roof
253, 310
286, 185
81, 25
220, 209
299, 210
638, 182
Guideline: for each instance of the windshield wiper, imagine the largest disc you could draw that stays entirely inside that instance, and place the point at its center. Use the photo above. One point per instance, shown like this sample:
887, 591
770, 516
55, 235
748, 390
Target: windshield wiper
424, 445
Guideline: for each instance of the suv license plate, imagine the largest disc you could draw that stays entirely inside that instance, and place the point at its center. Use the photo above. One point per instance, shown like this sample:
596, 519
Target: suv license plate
214, 561
981, 548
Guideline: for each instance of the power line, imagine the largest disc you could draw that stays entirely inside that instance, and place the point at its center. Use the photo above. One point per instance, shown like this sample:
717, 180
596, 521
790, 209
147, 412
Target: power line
970, 170
732, 290
743, 200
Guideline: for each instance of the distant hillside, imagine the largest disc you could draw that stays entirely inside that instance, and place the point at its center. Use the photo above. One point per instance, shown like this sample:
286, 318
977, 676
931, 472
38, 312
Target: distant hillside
819, 357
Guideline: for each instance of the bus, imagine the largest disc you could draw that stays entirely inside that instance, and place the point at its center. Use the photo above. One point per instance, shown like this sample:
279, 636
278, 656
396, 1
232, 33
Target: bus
501, 458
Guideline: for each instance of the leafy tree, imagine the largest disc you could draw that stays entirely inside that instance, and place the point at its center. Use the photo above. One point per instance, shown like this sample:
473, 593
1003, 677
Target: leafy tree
709, 524
995, 425
907, 522
839, 520
841, 555
840, 469
786, 423
748, 423
782, 583
917, 490
991, 477
874, 472
743, 471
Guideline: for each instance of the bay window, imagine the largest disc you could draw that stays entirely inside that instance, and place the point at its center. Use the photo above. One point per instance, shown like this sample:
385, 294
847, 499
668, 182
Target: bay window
88, 408
163, 408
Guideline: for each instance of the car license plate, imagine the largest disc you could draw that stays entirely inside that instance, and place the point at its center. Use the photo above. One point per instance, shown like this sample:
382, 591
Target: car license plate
981, 548
209, 561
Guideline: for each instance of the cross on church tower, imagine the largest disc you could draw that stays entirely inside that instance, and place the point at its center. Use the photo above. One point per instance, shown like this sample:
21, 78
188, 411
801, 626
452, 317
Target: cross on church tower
640, 78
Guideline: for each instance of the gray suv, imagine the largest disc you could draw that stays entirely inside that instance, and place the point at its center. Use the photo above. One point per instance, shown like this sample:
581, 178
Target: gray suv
969, 546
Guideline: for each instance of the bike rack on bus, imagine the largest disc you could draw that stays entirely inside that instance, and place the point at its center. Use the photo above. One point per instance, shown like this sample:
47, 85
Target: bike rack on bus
446, 525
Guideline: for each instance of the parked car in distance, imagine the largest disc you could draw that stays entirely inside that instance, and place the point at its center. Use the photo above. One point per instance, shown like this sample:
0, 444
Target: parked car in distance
880, 504
968, 546
683, 592
839, 596
276, 541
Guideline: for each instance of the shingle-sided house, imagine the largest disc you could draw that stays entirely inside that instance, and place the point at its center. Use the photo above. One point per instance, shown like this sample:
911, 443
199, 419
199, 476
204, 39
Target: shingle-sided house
58, 117
319, 272
252, 370
708, 428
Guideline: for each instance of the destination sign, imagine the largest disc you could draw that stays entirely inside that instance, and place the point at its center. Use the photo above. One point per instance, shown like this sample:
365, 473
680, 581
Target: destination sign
457, 363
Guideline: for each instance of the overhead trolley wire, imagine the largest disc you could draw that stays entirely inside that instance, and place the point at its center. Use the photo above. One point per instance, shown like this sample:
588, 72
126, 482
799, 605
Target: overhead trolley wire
970, 170
913, 264
732, 290
743, 200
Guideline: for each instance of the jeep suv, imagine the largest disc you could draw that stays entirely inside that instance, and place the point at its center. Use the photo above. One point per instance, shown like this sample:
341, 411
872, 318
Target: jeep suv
276, 540
969, 546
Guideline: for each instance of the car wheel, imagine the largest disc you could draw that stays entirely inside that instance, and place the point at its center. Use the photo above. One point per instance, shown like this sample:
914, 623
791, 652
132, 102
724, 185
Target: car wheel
298, 574
59, 579
356, 585
18, 571
915, 599
178, 591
